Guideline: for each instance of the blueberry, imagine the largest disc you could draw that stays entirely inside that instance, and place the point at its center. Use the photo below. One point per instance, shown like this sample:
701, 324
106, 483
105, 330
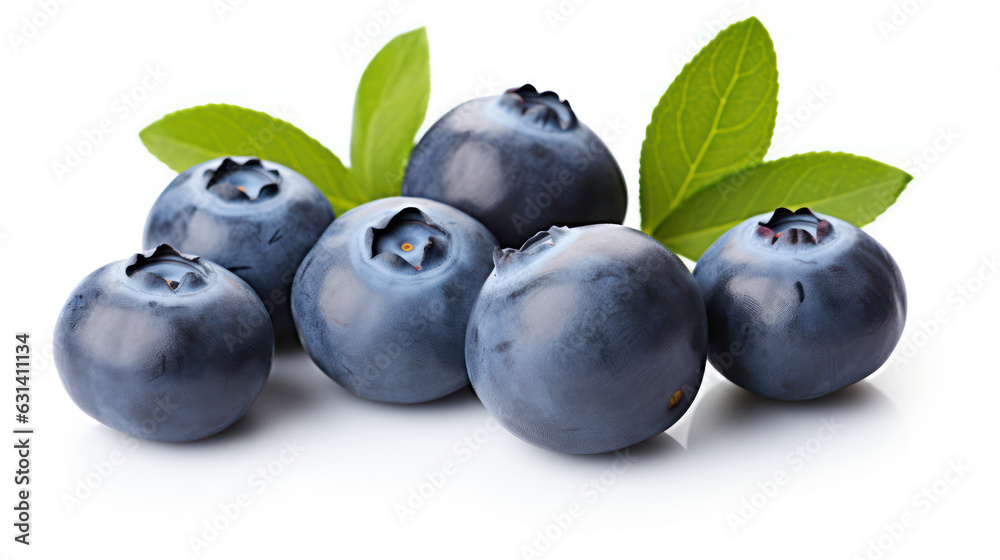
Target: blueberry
382, 301
588, 339
256, 218
519, 163
799, 305
164, 346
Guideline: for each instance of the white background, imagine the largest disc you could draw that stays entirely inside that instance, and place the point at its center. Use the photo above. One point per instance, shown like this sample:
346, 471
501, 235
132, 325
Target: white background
912, 84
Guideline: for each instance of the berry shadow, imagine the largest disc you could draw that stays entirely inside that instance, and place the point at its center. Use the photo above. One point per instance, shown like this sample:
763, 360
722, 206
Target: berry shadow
730, 421
464, 398
661, 448
295, 388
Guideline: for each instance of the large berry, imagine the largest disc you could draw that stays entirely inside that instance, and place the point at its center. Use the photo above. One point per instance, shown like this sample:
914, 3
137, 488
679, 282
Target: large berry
164, 346
382, 301
256, 218
799, 305
588, 339
519, 163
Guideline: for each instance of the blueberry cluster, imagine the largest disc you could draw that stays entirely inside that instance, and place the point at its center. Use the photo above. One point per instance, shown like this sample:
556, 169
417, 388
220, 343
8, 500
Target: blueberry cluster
504, 265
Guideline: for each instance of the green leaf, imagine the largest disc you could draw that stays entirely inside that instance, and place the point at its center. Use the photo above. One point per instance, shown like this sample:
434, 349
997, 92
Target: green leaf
716, 118
853, 188
189, 136
388, 110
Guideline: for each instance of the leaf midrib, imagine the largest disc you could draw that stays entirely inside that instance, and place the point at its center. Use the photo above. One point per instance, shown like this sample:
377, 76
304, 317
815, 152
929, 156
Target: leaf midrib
678, 197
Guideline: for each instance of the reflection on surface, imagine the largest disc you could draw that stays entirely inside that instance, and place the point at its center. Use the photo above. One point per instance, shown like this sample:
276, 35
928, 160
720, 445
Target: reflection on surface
660, 448
717, 454
734, 424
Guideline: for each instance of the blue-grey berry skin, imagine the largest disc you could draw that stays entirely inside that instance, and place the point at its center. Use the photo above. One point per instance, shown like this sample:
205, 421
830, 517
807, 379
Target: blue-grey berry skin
587, 340
800, 304
256, 218
164, 346
520, 163
382, 301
